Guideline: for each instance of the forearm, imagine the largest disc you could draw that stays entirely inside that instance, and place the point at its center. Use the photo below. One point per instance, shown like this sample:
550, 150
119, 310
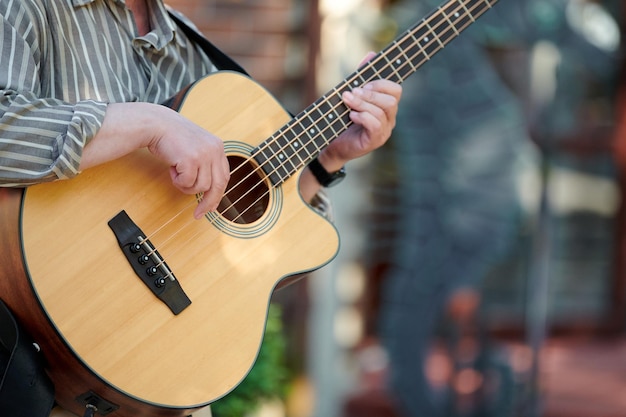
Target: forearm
126, 127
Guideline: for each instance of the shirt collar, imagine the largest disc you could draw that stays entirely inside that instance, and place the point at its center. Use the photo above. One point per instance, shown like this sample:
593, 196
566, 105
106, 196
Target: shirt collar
164, 30
161, 35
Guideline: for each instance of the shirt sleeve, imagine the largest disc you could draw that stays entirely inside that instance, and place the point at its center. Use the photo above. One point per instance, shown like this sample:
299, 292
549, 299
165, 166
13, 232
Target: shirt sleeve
41, 138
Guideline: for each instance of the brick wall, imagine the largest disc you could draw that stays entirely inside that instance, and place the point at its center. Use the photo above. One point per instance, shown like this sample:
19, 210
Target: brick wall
270, 38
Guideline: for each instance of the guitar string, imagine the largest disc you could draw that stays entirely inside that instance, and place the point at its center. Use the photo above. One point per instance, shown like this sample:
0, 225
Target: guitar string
441, 11
450, 29
422, 25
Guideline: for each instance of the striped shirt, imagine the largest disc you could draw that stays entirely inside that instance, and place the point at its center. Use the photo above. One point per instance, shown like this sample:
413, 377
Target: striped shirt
63, 61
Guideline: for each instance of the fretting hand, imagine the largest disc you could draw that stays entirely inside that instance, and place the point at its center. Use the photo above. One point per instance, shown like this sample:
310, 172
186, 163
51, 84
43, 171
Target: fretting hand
373, 109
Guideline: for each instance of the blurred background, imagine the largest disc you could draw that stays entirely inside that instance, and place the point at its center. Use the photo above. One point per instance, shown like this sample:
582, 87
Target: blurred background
482, 264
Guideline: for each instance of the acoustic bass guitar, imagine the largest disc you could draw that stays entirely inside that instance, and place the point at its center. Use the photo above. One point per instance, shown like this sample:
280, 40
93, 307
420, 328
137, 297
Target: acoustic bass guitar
139, 309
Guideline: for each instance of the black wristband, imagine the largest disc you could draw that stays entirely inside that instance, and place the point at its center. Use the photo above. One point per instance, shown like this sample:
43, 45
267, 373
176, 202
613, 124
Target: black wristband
325, 178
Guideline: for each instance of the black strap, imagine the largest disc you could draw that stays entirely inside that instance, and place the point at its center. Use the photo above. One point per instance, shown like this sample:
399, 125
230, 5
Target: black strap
219, 58
25, 388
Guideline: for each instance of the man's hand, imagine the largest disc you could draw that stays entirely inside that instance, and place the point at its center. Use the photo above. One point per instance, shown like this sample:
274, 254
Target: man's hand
197, 161
196, 158
374, 108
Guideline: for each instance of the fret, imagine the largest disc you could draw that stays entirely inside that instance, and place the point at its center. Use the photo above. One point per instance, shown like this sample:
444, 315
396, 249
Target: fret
336, 102
389, 72
404, 67
403, 58
308, 127
300, 156
430, 45
311, 132
299, 130
331, 113
330, 109
354, 82
311, 148
316, 116
476, 7
342, 123
370, 73
413, 51
442, 27
395, 60
445, 15
448, 33
358, 79
342, 110
302, 139
488, 4
265, 159
339, 118
326, 132
420, 38
278, 160
316, 131
304, 153
331, 132
286, 152
435, 20
457, 13
467, 12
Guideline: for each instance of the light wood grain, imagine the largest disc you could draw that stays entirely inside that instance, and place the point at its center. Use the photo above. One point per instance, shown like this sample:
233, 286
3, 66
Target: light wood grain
106, 315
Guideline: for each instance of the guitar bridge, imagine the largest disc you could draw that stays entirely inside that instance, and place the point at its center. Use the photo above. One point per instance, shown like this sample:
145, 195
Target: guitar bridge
148, 263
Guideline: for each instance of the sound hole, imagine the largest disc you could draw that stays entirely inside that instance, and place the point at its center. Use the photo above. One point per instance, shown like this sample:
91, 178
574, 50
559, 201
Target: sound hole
247, 195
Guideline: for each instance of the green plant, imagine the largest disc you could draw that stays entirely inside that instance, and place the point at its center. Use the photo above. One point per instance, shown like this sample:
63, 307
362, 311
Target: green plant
268, 377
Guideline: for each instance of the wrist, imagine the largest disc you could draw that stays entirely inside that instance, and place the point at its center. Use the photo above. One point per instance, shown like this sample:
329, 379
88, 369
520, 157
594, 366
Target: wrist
323, 176
330, 162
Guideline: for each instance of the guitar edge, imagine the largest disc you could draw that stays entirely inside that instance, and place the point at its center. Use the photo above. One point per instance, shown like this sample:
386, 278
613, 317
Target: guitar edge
99, 327
70, 378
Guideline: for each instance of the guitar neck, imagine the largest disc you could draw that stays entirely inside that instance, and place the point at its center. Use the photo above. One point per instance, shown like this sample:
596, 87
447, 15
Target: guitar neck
303, 138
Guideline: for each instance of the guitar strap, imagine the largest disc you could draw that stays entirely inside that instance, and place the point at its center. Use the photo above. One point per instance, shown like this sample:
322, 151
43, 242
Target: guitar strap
219, 58
25, 389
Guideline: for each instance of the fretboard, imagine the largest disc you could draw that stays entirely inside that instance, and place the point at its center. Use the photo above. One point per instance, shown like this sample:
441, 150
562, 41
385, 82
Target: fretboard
303, 138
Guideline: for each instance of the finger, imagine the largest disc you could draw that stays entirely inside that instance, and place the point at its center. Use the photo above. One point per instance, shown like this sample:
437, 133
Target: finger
214, 194
367, 101
185, 180
374, 113
209, 202
372, 125
385, 87
203, 207
367, 58
183, 183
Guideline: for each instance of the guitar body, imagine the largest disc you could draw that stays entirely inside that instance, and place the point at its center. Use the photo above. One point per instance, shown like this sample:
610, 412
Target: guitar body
99, 326
115, 334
